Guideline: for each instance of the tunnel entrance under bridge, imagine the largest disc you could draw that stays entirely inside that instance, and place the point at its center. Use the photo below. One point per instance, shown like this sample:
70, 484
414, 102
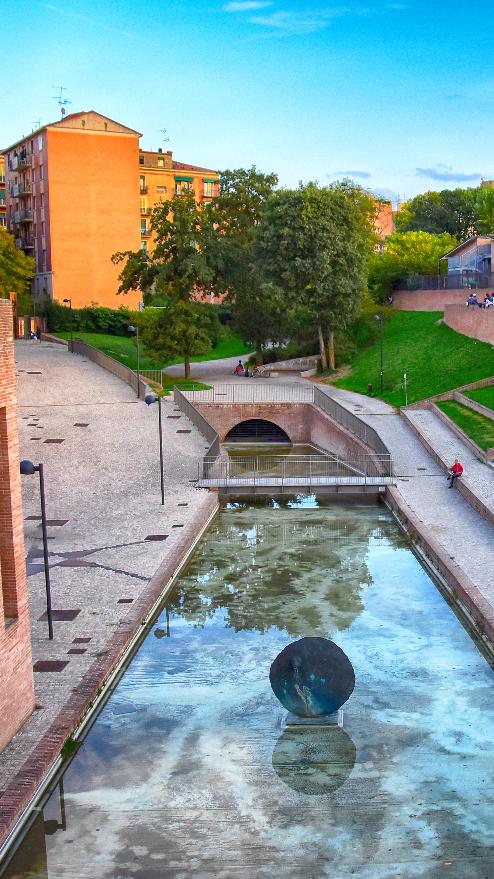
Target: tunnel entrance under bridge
257, 430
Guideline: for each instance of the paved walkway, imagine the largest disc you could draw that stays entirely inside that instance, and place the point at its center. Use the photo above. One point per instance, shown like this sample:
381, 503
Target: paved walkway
463, 535
107, 526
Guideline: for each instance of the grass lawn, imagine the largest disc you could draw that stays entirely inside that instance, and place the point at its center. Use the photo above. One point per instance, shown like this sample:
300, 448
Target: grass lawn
124, 349
434, 357
483, 395
479, 428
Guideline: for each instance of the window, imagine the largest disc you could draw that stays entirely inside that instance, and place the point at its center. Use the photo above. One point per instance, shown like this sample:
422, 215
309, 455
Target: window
161, 189
42, 200
142, 183
40, 142
161, 162
144, 227
144, 245
42, 227
41, 172
3, 221
208, 188
183, 186
143, 205
141, 160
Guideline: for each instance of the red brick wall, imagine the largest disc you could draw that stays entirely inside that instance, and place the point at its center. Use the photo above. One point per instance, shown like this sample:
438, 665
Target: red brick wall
475, 322
16, 673
428, 300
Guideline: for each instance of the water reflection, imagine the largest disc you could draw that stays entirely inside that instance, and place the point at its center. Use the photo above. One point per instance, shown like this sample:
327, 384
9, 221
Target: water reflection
314, 760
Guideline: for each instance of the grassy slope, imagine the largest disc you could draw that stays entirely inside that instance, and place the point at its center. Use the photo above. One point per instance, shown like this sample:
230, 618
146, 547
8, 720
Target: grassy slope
124, 349
435, 358
476, 426
483, 395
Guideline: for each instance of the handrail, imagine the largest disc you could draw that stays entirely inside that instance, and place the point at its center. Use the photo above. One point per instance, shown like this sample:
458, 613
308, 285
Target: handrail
203, 425
355, 425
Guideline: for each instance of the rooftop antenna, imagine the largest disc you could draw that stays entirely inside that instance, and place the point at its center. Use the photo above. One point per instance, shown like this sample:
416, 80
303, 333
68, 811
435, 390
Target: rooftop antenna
61, 101
164, 134
36, 123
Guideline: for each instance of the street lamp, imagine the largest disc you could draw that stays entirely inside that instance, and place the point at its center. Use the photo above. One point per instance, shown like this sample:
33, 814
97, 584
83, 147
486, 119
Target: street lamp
149, 399
69, 303
134, 331
379, 318
28, 469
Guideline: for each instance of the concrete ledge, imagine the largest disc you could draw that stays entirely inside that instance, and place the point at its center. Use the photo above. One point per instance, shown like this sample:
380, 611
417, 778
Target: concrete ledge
478, 323
472, 446
47, 337
27, 785
472, 404
466, 597
462, 485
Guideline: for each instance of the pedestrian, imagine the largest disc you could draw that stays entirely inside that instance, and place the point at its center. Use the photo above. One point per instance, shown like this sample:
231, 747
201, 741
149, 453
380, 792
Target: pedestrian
455, 472
38, 334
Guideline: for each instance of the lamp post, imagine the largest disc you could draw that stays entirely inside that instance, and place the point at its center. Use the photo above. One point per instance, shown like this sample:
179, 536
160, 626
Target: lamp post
69, 303
134, 331
149, 399
28, 469
379, 318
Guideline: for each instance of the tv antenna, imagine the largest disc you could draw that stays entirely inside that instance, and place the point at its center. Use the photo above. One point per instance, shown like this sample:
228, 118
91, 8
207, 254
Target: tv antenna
36, 123
164, 134
61, 101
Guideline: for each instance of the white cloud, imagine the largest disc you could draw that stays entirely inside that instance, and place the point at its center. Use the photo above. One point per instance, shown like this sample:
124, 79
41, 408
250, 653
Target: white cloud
246, 5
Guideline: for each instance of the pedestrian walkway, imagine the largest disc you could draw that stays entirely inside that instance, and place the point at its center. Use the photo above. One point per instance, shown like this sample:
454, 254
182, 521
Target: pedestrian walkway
108, 533
464, 537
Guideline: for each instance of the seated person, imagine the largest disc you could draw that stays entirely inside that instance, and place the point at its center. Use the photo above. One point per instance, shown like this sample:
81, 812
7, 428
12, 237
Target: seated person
455, 472
472, 300
489, 299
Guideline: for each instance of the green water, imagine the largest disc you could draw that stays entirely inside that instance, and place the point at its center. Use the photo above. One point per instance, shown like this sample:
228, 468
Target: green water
189, 771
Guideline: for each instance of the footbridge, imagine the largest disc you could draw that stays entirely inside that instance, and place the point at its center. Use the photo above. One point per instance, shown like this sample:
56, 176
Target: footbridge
351, 457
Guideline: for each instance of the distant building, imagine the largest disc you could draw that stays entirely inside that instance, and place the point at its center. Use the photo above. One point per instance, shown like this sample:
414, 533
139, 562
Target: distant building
16, 677
383, 223
79, 190
3, 206
160, 178
487, 184
472, 260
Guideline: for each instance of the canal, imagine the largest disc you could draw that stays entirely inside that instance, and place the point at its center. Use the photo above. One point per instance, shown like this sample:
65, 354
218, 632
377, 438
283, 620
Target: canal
188, 770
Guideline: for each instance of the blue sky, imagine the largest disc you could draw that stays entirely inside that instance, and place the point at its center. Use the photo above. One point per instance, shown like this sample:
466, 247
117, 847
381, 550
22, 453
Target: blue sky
399, 95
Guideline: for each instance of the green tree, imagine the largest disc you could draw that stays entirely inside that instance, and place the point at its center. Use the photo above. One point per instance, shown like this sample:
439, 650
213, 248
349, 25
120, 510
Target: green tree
182, 328
174, 275
314, 243
485, 210
451, 210
407, 254
16, 269
259, 309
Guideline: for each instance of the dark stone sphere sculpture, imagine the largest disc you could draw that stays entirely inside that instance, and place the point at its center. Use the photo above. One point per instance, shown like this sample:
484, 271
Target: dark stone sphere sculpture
312, 677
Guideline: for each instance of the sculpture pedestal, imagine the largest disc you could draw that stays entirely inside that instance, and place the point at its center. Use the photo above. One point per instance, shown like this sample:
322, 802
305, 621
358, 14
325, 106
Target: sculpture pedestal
294, 720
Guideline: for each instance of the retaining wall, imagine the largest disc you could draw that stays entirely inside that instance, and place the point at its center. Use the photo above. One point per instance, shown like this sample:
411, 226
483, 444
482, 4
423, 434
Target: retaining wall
428, 300
478, 323
122, 372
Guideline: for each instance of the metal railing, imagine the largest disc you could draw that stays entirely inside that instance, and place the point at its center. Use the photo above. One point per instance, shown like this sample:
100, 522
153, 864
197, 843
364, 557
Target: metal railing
202, 425
355, 425
253, 392
306, 469
465, 279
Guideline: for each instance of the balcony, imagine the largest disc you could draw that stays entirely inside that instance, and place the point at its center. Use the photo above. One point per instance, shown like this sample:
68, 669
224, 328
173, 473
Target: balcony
145, 233
146, 212
143, 189
14, 190
24, 189
25, 216
24, 243
24, 161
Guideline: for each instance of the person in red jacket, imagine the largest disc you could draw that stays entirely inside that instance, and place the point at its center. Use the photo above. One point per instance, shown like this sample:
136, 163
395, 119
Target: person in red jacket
455, 472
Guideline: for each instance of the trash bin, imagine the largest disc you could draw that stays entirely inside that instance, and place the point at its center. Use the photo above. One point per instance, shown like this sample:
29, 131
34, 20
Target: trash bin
370, 390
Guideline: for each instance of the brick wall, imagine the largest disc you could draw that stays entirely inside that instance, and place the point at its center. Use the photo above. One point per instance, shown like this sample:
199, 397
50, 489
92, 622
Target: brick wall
475, 322
16, 674
428, 300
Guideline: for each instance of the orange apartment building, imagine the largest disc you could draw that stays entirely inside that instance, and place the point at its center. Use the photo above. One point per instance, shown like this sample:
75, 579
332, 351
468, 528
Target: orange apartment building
16, 667
80, 189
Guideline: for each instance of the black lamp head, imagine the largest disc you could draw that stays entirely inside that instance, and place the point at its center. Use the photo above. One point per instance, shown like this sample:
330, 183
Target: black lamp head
149, 399
67, 300
132, 331
28, 468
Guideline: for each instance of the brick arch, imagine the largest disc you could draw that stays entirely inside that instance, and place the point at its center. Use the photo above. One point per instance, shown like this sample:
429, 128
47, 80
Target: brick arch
257, 429
294, 419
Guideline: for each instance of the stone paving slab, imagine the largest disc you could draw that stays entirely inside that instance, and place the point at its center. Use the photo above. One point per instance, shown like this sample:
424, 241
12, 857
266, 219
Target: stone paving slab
103, 498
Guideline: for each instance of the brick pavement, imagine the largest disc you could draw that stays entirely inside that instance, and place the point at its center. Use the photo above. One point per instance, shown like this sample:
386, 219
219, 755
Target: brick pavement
103, 502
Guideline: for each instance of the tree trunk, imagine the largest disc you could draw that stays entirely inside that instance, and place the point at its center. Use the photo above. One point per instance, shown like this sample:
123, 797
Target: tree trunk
324, 362
258, 354
186, 366
331, 348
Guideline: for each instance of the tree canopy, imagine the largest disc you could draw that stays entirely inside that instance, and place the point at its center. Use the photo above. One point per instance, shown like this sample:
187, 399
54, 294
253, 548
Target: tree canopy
314, 243
452, 210
16, 269
407, 254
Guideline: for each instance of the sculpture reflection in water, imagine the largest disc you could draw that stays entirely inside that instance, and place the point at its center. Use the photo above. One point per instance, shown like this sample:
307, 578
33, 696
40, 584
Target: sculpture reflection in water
313, 678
